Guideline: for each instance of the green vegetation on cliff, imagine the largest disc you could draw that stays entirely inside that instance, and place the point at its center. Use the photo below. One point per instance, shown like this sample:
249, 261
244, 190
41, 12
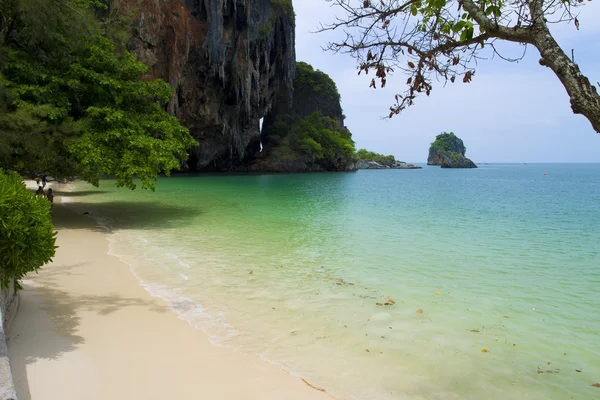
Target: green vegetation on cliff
27, 236
311, 131
448, 151
283, 6
364, 154
318, 139
72, 102
308, 80
447, 143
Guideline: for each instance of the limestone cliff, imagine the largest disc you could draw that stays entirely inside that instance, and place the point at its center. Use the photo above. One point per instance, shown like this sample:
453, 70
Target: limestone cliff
226, 59
306, 134
448, 151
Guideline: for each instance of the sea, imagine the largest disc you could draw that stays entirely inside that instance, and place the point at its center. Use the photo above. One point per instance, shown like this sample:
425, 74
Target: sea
380, 284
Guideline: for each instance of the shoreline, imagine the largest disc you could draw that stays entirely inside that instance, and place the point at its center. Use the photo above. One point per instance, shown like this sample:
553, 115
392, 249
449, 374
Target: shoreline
87, 328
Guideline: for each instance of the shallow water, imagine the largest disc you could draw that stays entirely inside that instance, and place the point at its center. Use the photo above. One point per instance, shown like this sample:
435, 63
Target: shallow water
291, 268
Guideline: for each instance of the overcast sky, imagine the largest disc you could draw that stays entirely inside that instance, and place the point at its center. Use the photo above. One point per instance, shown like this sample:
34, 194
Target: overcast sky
511, 112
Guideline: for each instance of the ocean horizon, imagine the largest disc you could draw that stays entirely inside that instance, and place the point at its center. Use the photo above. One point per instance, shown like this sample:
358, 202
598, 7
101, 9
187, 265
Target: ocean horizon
388, 284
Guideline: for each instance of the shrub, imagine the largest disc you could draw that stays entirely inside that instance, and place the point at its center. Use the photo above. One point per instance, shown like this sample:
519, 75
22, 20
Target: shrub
364, 154
447, 142
27, 236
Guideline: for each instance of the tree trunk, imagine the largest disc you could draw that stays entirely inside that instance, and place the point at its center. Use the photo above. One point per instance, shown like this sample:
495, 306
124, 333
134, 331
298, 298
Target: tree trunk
584, 97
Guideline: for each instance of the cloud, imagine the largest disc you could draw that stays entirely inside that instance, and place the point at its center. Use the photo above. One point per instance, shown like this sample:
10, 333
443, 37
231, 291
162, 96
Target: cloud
510, 112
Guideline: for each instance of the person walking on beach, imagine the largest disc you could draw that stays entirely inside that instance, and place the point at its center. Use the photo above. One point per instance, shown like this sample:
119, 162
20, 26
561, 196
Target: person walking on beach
40, 192
50, 196
44, 181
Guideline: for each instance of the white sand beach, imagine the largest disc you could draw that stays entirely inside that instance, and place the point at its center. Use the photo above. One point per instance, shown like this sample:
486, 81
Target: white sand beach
87, 330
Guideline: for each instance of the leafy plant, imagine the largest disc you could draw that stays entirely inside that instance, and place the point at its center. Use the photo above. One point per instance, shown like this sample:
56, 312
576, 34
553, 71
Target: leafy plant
72, 100
320, 139
306, 130
447, 142
364, 154
308, 79
27, 237
444, 41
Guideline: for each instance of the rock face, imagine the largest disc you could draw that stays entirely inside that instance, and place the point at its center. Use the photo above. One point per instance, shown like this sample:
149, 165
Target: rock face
304, 131
456, 160
448, 151
369, 164
226, 59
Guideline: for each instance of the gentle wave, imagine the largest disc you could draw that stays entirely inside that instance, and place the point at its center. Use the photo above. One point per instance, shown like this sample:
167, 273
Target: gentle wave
291, 268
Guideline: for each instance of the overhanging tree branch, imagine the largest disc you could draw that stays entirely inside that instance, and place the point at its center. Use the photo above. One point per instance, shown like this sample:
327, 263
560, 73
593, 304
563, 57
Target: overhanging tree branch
435, 39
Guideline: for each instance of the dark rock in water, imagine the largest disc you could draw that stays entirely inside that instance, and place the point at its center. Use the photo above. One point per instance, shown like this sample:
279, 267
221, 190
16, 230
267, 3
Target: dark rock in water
226, 59
456, 160
448, 151
369, 164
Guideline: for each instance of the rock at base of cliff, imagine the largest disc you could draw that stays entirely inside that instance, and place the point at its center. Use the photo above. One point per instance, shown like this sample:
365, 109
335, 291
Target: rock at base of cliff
285, 165
456, 160
370, 164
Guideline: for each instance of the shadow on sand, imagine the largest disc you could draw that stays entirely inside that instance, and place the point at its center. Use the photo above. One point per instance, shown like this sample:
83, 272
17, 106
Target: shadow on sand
82, 193
125, 215
57, 311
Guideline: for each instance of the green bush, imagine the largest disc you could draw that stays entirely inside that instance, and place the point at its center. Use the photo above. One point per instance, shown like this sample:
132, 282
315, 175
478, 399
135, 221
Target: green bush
323, 139
364, 154
73, 100
27, 237
447, 142
317, 82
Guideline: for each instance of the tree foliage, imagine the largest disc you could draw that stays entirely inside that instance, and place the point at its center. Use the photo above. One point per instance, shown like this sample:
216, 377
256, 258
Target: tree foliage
311, 127
316, 82
72, 101
447, 142
317, 137
431, 40
448, 150
27, 237
364, 154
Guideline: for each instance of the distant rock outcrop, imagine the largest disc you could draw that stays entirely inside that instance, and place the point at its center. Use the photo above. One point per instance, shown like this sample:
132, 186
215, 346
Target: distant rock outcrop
448, 151
372, 160
370, 164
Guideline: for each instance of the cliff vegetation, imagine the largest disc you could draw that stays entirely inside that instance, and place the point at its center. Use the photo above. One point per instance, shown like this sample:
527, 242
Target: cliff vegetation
370, 160
72, 101
448, 151
307, 134
364, 154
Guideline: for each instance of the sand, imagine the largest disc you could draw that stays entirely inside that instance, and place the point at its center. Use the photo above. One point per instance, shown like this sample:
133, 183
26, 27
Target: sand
86, 329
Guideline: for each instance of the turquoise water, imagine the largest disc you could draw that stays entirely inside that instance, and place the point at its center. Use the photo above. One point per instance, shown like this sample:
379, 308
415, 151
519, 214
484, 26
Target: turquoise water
291, 268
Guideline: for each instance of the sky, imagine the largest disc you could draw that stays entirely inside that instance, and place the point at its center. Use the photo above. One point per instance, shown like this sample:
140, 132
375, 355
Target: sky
510, 112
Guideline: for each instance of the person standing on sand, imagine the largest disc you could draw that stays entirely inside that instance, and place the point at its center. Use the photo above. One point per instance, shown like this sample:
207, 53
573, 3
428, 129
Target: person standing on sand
40, 192
50, 196
44, 181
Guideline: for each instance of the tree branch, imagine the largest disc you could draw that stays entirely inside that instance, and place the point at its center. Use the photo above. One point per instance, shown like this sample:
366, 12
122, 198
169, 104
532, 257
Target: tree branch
515, 34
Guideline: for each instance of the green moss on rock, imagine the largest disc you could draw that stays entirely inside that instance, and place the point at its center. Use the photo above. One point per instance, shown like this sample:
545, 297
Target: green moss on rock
448, 151
310, 131
284, 7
